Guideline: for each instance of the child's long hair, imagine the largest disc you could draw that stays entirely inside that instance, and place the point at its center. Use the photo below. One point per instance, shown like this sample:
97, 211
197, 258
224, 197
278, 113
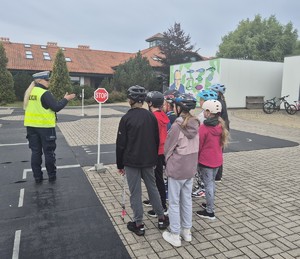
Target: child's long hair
225, 133
186, 117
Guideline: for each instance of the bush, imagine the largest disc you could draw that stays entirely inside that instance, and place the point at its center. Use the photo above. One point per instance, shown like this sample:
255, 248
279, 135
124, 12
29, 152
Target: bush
116, 96
88, 91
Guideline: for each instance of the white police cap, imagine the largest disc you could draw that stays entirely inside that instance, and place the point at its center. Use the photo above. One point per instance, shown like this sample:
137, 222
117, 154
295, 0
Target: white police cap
41, 75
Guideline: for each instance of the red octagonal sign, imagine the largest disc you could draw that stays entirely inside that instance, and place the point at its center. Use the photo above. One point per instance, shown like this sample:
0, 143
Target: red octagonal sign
101, 95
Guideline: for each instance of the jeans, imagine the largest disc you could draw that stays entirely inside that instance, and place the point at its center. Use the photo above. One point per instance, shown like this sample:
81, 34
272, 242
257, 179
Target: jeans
208, 176
42, 140
180, 204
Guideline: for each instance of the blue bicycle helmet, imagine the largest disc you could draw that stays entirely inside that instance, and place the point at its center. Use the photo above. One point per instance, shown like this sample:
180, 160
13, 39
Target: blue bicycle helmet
218, 88
208, 95
187, 102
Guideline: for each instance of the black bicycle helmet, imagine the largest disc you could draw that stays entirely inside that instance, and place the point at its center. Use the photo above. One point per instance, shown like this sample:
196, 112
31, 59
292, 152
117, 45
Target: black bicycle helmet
136, 93
187, 102
156, 98
170, 95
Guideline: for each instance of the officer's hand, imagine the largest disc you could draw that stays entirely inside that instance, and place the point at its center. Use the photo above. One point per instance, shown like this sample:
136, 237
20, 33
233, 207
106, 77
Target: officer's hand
69, 96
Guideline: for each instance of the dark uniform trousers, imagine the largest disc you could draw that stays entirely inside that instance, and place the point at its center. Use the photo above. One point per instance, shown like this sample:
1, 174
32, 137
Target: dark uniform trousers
42, 140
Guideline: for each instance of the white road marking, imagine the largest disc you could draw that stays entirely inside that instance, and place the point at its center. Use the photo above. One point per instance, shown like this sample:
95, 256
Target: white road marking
14, 144
25, 171
16, 244
21, 198
102, 153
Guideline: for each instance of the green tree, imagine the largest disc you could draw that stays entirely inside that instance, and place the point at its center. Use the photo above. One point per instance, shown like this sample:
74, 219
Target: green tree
107, 84
21, 82
260, 39
135, 71
176, 48
60, 81
296, 51
7, 94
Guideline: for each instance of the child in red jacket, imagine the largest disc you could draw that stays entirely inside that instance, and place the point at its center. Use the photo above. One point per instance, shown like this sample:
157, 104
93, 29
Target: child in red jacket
155, 102
213, 137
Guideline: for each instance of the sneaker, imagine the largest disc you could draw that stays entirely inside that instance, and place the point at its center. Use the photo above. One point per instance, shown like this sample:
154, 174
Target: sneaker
206, 215
203, 205
140, 230
152, 213
52, 178
163, 223
147, 203
186, 234
198, 193
171, 238
218, 180
38, 180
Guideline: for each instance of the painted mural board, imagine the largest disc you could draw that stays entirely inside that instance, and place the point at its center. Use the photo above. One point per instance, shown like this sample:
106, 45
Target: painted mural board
194, 77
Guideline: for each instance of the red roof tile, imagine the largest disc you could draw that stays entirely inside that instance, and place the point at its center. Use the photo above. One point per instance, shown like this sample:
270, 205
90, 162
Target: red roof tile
83, 59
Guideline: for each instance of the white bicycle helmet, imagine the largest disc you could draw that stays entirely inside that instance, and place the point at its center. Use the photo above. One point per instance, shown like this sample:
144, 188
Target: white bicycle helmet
218, 88
213, 106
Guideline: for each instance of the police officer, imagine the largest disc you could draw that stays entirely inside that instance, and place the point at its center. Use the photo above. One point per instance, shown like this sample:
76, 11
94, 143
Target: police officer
40, 119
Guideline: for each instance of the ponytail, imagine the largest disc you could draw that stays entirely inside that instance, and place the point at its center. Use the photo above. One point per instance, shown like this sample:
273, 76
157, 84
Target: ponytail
225, 133
27, 94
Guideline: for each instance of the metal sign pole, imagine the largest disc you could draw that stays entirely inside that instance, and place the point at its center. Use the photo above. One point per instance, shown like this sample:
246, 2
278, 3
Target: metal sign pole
99, 133
99, 166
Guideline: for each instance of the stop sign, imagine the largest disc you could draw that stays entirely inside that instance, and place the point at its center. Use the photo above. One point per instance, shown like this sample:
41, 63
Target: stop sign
101, 95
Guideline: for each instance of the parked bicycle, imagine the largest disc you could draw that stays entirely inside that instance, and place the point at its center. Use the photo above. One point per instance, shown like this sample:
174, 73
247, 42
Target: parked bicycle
294, 107
273, 105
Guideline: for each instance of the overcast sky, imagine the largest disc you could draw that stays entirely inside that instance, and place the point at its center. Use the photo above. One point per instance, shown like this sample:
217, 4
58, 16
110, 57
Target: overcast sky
123, 25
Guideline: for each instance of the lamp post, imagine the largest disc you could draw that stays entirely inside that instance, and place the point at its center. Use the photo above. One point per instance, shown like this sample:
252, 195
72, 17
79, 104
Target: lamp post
82, 101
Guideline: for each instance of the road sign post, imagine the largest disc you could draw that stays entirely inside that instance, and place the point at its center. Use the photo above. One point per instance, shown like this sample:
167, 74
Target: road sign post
101, 96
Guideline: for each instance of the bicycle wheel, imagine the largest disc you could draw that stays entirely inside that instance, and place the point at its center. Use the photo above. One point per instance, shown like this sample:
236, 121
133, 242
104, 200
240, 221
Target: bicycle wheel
286, 105
269, 107
291, 109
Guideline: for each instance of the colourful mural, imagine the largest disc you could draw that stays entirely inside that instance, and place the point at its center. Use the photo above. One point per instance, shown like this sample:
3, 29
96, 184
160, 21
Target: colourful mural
196, 76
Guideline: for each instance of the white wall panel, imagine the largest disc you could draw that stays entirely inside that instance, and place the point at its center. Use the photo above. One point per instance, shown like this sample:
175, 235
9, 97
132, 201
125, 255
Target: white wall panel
291, 78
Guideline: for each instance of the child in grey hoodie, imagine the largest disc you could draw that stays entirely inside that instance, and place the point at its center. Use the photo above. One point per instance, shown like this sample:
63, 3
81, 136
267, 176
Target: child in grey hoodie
181, 153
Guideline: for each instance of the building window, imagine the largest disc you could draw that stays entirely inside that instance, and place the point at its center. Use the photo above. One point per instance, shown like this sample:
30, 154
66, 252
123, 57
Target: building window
27, 45
28, 54
43, 47
46, 56
68, 59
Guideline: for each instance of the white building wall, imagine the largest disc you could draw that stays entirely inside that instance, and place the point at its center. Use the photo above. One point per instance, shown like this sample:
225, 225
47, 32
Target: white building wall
250, 78
291, 78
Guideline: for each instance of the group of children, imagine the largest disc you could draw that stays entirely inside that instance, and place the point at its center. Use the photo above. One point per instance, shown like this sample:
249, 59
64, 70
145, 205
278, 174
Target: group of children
187, 144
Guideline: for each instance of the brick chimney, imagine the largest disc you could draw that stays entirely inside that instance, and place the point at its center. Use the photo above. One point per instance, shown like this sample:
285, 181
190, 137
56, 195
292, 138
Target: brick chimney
4, 39
52, 44
83, 47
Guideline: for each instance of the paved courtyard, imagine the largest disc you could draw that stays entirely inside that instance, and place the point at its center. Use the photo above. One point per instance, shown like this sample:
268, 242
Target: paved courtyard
257, 203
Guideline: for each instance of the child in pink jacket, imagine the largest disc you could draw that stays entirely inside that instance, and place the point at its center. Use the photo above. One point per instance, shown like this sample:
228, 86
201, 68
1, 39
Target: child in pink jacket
213, 137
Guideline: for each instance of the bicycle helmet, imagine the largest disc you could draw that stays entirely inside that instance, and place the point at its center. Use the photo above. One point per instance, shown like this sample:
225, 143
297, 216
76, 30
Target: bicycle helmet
156, 98
169, 95
136, 93
213, 106
187, 102
208, 95
218, 88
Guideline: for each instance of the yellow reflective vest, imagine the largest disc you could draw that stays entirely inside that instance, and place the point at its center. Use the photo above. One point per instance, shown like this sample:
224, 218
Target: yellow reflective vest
35, 114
